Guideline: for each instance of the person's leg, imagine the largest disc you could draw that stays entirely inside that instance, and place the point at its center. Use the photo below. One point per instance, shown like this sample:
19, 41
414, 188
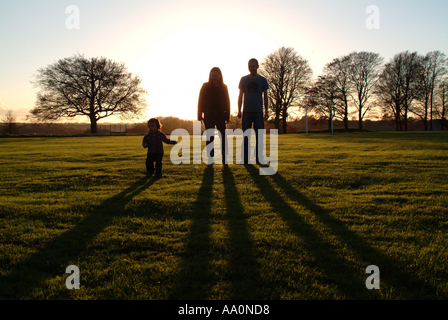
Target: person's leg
209, 123
221, 126
258, 125
246, 123
158, 158
150, 163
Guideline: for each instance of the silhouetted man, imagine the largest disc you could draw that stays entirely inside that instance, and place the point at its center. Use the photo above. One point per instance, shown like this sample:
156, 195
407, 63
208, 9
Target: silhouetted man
253, 91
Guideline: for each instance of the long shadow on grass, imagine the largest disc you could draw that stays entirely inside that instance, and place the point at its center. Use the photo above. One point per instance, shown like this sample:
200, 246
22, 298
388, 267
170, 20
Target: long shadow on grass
194, 279
52, 260
337, 270
244, 274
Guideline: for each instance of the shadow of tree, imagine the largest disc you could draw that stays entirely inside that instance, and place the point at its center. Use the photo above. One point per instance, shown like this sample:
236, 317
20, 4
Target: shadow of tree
65, 248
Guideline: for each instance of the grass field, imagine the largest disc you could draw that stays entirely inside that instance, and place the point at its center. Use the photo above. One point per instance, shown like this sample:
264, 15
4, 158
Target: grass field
338, 204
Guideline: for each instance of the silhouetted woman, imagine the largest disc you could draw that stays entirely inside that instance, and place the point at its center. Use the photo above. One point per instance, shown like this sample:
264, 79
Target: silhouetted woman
214, 107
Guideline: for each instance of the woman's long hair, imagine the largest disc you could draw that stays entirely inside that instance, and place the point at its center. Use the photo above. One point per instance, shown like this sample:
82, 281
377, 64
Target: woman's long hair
221, 82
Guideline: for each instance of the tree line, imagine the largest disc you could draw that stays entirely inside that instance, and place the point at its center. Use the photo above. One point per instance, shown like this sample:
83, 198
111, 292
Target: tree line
355, 85
295, 125
359, 84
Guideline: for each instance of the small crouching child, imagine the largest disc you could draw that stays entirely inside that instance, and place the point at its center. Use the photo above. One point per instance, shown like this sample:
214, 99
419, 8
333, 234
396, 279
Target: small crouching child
153, 141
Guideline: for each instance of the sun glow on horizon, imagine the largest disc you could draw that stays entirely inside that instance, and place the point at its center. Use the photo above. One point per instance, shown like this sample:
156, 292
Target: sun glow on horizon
172, 45
182, 62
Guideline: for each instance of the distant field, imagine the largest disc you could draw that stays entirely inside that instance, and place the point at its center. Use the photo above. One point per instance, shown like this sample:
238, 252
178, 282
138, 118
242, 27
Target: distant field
338, 204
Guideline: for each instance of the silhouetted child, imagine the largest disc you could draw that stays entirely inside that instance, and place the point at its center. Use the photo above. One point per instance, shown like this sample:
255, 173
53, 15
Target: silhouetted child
153, 141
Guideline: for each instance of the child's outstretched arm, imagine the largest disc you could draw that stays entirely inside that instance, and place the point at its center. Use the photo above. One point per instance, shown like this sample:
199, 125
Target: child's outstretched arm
168, 141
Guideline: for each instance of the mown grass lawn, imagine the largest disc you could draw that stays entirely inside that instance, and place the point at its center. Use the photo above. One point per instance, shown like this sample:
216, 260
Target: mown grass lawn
337, 204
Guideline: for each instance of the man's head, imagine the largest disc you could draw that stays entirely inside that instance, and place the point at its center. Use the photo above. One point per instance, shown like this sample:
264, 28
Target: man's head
253, 67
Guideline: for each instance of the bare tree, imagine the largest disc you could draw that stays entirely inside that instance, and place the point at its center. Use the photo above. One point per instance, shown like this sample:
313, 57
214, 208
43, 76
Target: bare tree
96, 88
288, 75
433, 69
339, 70
412, 67
398, 86
325, 88
9, 123
441, 104
389, 88
422, 108
363, 73
437, 67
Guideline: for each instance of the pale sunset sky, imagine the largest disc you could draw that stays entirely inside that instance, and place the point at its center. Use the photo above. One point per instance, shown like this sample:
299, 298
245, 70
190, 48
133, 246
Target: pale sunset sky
173, 44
